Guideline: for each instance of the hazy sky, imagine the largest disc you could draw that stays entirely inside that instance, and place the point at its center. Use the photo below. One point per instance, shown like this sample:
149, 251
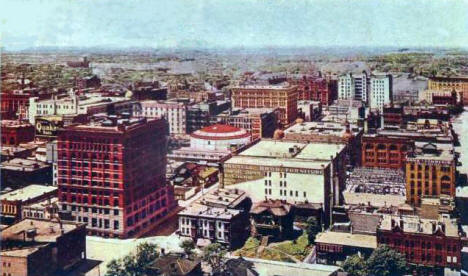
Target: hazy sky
233, 23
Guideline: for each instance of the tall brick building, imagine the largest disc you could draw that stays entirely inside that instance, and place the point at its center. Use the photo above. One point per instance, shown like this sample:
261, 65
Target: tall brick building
268, 96
316, 89
430, 171
111, 175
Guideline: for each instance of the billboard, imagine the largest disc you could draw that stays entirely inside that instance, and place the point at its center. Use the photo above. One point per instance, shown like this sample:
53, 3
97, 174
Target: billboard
48, 126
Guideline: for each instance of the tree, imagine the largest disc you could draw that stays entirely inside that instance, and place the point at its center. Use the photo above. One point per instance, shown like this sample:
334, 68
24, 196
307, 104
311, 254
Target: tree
134, 263
355, 265
145, 255
312, 228
214, 255
188, 246
115, 268
386, 261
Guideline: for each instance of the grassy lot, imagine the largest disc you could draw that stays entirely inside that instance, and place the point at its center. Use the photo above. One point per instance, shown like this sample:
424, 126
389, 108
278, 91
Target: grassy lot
285, 251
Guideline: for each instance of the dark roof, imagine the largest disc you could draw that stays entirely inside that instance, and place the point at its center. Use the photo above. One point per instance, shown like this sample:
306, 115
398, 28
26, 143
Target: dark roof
238, 267
275, 207
174, 265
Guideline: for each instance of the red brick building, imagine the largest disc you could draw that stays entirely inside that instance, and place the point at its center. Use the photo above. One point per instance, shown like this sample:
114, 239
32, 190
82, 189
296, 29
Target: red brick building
384, 151
13, 102
434, 244
14, 132
111, 175
316, 89
283, 97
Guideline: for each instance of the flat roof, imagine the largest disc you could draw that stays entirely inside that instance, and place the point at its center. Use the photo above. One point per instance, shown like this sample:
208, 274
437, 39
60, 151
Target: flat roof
46, 230
276, 268
21, 164
312, 151
223, 197
199, 210
14, 123
347, 239
43, 204
277, 162
416, 224
28, 192
321, 128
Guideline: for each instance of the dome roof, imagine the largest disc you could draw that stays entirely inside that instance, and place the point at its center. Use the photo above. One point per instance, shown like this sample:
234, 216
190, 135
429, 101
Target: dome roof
220, 132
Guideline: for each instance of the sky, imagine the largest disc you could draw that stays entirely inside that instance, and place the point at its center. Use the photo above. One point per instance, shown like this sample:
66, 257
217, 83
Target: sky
232, 23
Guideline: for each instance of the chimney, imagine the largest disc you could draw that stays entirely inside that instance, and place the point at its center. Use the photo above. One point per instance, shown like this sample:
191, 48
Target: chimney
402, 224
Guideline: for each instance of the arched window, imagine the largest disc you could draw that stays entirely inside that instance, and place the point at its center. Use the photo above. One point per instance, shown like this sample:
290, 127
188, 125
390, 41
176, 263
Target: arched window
445, 178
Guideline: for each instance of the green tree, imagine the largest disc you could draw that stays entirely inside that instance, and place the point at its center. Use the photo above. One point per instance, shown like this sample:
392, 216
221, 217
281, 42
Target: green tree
188, 246
355, 265
386, 261
214, 254
312, 228
134, 264
115, 268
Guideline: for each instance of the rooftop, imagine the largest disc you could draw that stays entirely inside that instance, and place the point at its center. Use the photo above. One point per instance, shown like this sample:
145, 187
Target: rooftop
274, 207
14, 124
275, 268
418, 225
45, 230
198, 210
281, 86
320, 128
432, 151
224, 198
293, 150
376, 181
111, 123
219, 131
44, 203
347, 239
28, 192
21, 164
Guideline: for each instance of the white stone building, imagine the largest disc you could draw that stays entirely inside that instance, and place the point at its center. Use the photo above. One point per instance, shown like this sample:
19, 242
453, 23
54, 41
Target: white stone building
380, 91
175, 114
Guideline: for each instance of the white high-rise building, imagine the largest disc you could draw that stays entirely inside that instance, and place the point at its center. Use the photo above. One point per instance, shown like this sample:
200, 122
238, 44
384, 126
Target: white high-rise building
345, 87
174, 112
380, 91
361, 87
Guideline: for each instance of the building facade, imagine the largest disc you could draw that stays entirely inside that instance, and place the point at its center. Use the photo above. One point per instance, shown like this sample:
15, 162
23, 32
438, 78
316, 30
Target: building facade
345, 87
111, 175
35, 247
381, 91
298, 173
283, 97
175, 113
384, 151
460, 84
13, 202
14, 132
260, 123
430, 171
424, 242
